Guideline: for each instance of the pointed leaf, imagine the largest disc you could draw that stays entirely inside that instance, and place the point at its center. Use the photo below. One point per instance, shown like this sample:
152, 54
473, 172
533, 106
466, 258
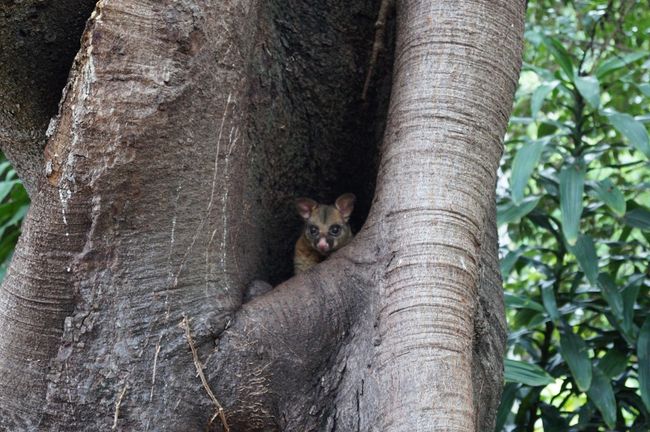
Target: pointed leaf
585, 252
550, 303
507, 399
539, 95
638, 218
613, 363
5, 188
633, 130
611, 294
574, 352
643, 352
572, 179
523, 166
517, 302
526, 373
589, 88
509, 212
560, 54
612, 196
508, 262
614, 63
630, 294
645, 89
602, 395
552, 419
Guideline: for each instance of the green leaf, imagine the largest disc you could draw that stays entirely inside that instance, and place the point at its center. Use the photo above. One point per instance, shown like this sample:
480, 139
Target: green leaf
552, 419
508, 262
523, 166
615, 63
585, 252
644, 88
550, 303
638, 218
4, 166
630, 294
602, 395
574, 351
507, 400
643, 352
539, 95
589, 88
572, 179
560, 54
611, 294
518, 302
526, 373
5, 188
613, 363
612, 196
633, 130
507, 213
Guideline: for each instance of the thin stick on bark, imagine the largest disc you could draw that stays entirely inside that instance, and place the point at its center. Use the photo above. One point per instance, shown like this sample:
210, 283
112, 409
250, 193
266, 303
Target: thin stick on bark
117, 406
378, 45
185, 324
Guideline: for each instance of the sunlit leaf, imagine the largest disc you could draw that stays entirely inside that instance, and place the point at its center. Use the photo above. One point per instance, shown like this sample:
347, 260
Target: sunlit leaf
5, 188
643, 352
617, 62
612, 196
539, 95
523, 166
633, 130
572, 178
602, 395
645, 89
526, 373
510, 212
589, 88
574, 352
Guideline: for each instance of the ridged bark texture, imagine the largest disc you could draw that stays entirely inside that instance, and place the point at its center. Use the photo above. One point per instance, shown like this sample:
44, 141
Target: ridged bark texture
184, 132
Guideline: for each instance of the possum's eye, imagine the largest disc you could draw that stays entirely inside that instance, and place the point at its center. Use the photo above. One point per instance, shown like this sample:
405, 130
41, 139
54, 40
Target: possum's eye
335, 230
313, 230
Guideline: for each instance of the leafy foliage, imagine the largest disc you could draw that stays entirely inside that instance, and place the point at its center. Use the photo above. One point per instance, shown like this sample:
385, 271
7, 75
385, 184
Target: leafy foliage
574, 216
14, 203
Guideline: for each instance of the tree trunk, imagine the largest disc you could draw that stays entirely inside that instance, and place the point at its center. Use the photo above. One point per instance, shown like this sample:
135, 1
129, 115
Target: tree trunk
184, 132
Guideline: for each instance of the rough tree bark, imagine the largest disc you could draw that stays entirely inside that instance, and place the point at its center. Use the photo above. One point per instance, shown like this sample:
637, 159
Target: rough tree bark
165, 188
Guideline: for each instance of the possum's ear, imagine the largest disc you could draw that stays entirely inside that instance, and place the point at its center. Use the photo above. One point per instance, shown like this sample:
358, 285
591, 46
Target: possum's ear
345, 204
305, 206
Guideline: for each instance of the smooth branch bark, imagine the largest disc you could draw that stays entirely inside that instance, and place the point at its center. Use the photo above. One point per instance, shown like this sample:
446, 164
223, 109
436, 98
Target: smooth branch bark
156, 200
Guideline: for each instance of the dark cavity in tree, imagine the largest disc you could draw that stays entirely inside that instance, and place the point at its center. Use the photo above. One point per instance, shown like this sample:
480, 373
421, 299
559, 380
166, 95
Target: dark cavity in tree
313, 134
39, 42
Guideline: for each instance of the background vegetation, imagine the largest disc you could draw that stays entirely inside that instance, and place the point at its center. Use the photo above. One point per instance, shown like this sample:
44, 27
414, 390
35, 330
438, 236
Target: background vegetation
14, 203
574, 219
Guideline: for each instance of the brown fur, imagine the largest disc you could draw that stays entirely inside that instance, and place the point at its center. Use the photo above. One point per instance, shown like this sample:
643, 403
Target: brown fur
325, 219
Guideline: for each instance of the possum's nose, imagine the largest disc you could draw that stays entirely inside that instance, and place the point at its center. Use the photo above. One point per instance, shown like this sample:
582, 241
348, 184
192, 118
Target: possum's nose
322, 245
